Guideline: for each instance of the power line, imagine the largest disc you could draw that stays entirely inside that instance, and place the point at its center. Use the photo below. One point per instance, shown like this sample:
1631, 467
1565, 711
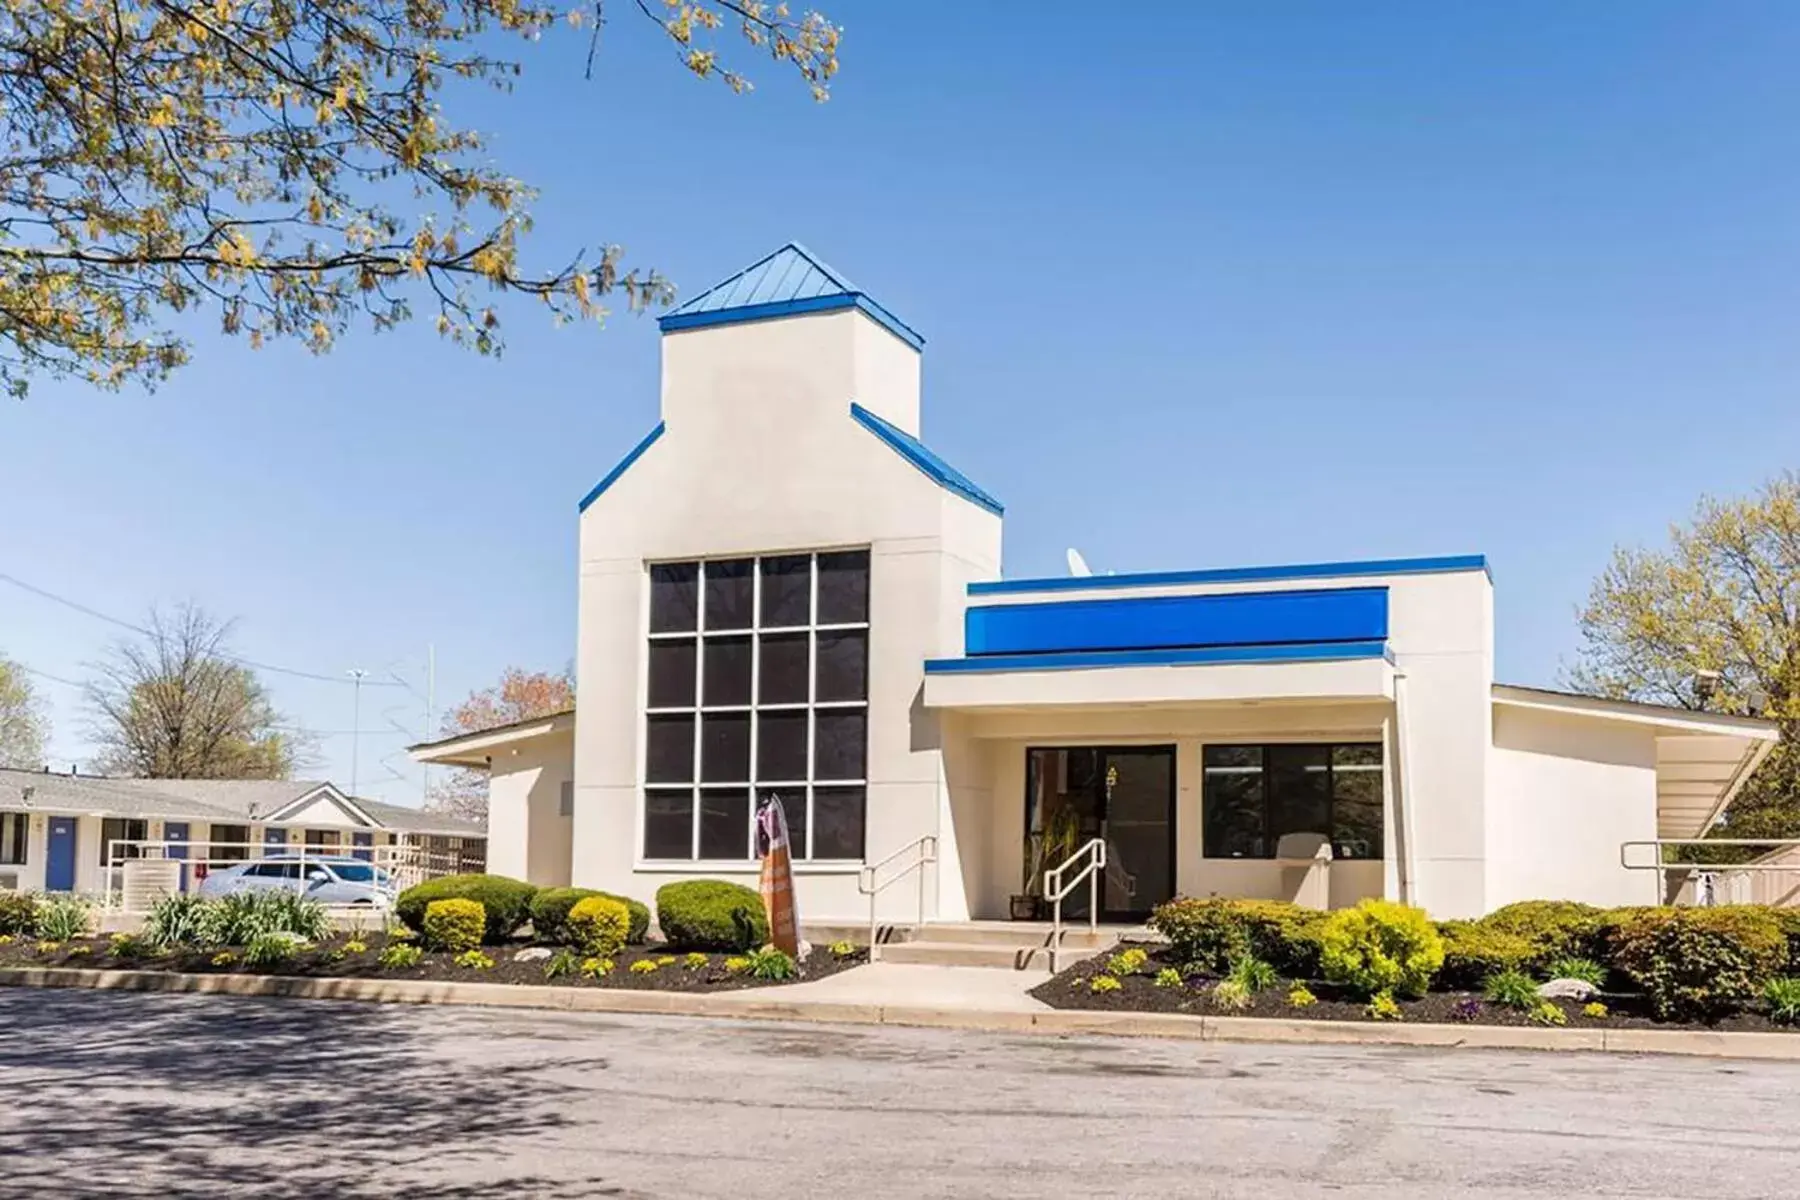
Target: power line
139, 629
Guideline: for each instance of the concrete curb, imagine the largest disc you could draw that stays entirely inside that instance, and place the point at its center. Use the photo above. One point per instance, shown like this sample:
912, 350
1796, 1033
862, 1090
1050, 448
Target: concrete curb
762, 1004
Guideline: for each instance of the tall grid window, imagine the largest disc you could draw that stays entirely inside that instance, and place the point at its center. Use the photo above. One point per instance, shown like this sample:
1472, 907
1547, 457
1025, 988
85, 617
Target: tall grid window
12, 838
758, 685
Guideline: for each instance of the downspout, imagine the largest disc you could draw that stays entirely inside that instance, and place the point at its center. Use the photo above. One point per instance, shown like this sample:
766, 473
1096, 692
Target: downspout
1402, 793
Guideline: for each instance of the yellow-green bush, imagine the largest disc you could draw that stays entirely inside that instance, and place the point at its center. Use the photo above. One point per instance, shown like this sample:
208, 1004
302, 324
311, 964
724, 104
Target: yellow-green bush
1211, 934
599, 926
711, 914
550, 913
1555, 928
507, 902
1380, 946
454, 925
1699, 963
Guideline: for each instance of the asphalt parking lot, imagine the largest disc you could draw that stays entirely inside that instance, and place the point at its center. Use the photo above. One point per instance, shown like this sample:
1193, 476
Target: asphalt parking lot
144, 1095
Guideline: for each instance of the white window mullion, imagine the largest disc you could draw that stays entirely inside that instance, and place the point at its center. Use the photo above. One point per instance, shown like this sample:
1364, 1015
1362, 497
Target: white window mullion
755, 694
699, 706
812, 694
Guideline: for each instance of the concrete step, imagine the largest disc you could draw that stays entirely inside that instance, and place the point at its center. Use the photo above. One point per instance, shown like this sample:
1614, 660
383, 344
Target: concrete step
954, 954
823, 933
1013, 933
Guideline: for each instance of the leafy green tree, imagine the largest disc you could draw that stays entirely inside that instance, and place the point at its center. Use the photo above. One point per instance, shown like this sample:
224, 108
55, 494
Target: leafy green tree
519, 696
178, 705
23, 726
1720, 602
292, 165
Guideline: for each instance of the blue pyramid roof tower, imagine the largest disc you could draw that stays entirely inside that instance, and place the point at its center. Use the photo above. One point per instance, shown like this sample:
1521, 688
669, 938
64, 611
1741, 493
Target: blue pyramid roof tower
788, 283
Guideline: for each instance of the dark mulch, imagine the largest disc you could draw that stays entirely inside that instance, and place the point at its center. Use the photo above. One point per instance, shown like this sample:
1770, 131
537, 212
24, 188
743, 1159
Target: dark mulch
1073, 988
328, 960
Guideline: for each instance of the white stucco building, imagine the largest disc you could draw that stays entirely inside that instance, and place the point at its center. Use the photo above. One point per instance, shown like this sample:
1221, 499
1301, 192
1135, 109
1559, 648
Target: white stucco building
783, 590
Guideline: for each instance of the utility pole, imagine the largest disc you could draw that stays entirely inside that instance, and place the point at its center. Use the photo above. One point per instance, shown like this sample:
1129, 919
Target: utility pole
356, 675
430, 713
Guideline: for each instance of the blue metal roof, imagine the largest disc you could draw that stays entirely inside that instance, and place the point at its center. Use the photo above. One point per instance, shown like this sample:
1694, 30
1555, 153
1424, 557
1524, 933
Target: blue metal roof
790, 282
925, 459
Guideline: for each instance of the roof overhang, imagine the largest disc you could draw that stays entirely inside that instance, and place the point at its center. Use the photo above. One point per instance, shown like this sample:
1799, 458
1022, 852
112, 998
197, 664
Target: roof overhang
477, 749
1702, 759
324, 791
1352, 671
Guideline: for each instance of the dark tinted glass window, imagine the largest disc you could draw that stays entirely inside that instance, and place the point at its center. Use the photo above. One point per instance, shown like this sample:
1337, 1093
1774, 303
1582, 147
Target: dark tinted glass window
787, 590
844, 587
783, 670
1299, 798
838, 822
724, 823
727, 671
1252, 796
843, 665
668, 823
669, 749
725, 747
1232, 802
729, 588
674, 597
838, 745
1356, 824
672, 673
781, 745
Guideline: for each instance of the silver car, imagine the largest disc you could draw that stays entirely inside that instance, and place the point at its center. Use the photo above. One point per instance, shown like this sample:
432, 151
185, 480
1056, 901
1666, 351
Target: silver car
327, 880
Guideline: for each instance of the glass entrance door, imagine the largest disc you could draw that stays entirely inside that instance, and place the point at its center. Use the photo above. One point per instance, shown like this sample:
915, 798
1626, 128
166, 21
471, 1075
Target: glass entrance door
1124, 794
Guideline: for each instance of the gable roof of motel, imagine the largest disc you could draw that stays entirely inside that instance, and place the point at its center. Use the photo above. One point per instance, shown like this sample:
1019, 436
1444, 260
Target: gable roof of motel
233, 801
790, 282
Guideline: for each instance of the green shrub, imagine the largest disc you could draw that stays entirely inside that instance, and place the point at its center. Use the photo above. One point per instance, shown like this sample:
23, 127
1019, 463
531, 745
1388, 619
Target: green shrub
643, 966
1547, 1012
737, 964
269, 950
179, 921
550, 911
563, 962
1584, 969
473, 959
356, 946
454, 925
1288, 937
1299, 996
1381, 946
1473, 951
1555, 928
843, 949
18, 914
1699, 963
1209, 934
1789, 920
711, 914
1127, 962
1383, 1007
127, 946
1231, 995
1104, 983
1253, 973
596, 968
1782, 995
1168, 977
1514, 989
507, 902
1595, 1010
241, 917
64, 918
694, 961
598, 925
399, 955
771, 963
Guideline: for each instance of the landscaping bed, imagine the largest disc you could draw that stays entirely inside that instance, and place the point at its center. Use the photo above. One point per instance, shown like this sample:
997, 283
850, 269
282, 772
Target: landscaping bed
465, 928
1072, 988
337, 957
1552, 964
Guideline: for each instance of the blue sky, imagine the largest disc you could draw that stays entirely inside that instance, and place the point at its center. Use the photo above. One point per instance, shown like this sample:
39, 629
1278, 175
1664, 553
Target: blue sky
1201, 286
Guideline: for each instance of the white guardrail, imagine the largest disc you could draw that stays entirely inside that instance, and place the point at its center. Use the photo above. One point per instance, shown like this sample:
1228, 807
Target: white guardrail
910, 858
1090, 865
1771, 877
138, 872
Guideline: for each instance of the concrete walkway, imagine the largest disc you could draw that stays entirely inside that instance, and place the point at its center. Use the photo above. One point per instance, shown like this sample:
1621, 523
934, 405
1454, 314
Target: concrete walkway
906, 985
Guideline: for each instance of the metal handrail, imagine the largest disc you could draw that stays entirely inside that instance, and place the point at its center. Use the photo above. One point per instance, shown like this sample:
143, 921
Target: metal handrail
924, 850
1772, 846
1055, 888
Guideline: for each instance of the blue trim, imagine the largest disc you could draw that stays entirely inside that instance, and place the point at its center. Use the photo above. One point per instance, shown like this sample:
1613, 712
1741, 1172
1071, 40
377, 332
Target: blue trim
1174, 622
675, 322
923, 457
612, 476
1379, 566
1211, 656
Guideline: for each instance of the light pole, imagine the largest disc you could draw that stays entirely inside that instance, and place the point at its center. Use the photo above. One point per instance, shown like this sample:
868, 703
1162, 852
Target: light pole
356, 676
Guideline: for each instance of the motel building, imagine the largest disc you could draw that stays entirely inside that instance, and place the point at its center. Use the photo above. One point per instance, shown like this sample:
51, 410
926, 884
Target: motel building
784, 590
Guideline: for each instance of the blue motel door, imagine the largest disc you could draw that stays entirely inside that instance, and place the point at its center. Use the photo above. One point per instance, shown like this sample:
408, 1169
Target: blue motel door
175, 833
59, 864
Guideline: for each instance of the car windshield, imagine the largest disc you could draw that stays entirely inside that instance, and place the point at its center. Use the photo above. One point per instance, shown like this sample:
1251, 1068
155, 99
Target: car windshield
354, 872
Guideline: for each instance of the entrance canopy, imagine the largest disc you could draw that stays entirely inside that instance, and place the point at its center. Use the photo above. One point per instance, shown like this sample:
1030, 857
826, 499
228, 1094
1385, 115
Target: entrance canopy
1702, 759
